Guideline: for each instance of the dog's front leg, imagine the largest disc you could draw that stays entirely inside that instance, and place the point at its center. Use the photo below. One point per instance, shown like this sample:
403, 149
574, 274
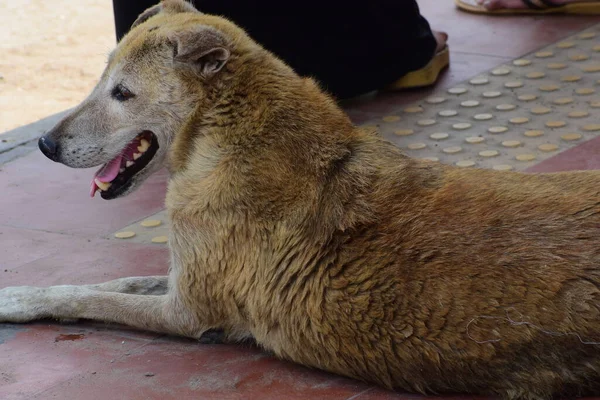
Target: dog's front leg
163, 314
153, 285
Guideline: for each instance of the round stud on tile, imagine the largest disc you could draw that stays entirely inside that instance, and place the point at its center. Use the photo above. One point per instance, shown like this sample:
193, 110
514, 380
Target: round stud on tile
556, 66
571, 137
548, 147
124, 235
404, 132
595, 104
505, 107
448, 113
596, 48
435, 100
591, 68
549, 88
497, 129
434, 159
465, 163
565, 45
416, 146
525, 157
501, 71
578, 114
519, 120
544, 54
533, 133
527, 97
457, 90
426, 122
475, 139
502, 167
563, 100
591, 128
470, 103
540, 110
413, 110
439, 136
511, 143
483, 117
587, 35
555, 124
160, 239
579, 57
479, 81
461, 126
491, 94
452, 150
585, 91
150, 223
571, 78
521, 62
513, 84
391, 118
489, 153
535, 75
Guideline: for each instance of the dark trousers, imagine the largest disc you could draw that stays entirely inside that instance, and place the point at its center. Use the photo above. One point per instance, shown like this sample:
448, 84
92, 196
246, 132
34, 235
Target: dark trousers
349, 47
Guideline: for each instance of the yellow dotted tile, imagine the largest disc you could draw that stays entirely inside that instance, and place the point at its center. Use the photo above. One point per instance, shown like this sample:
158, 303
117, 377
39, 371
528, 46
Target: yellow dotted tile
563, 100
391, 118
591, 128
413, 110
525, 157
505, 107
457, 90
565, 45
579, 57
489, 153
544, 54
434, 159
497, 129
548, 147
160, 239
570, 137
439, 136
533, 133
527, 97
585, 91
435, 100
502, 167
535, 75
404, 132
479, 81
591, 68
491, 94
483, 117
578, 114
426, 122
124, 235
511, 143
549, 88
416, 146
470, 103
465, 163
556, 66
452, 149
461, 126
555, 124
571, 78
521, 62
587, 35
519, 120
475, 139
150, 223
513, 84
540, 110
501, 71
448, 113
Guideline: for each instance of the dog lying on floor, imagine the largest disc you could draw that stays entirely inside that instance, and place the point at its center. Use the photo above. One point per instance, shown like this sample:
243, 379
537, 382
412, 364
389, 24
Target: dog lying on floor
321, 240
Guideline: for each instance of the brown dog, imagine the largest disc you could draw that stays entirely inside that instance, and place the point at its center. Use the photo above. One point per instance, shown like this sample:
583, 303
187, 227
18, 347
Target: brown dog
322, 241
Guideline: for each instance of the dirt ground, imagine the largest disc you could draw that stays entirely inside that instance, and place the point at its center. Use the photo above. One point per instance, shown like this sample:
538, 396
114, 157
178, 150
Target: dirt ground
51, 54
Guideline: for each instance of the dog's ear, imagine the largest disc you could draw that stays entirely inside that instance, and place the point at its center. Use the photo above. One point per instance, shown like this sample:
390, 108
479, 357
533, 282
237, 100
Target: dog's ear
203, 47
166, 6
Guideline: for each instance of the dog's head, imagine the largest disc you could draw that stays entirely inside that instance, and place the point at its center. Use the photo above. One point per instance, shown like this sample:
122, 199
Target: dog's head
156, 78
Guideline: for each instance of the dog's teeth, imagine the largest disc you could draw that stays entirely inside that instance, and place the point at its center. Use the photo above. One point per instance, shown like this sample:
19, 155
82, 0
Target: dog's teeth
136, 155
144, 145
128, 164
102, 185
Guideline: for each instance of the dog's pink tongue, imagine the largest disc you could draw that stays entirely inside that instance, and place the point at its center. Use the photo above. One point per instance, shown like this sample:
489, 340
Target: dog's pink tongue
107, 173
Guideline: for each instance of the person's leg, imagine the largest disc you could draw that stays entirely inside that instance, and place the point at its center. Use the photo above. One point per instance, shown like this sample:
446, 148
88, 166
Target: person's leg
126, 12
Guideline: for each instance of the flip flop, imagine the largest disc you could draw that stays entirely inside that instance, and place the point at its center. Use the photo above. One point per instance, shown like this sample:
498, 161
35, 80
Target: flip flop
425, 76
533, 7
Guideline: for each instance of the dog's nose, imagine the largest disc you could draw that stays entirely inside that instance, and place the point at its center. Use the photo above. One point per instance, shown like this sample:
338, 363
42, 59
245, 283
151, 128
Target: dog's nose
48, 147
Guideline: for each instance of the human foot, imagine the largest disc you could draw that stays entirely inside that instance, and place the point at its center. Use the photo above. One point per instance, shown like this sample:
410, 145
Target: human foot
520, 4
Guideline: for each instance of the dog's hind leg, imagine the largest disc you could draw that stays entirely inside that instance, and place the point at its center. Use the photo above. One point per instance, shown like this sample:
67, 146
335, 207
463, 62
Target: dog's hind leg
144, 285
163, 314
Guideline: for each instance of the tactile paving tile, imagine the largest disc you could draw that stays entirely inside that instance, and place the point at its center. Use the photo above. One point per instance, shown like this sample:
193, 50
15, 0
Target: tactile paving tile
511, 117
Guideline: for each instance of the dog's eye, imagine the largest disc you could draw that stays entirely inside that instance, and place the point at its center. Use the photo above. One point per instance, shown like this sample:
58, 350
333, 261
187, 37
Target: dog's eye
121, 93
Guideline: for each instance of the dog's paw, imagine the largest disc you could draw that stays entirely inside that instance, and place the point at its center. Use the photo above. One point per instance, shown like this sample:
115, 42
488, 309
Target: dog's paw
22, 304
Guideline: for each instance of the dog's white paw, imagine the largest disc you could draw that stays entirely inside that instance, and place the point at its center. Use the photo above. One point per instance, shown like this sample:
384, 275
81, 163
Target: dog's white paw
23, 304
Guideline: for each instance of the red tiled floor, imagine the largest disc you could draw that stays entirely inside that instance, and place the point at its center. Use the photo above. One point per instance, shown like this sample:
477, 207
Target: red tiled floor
586, 156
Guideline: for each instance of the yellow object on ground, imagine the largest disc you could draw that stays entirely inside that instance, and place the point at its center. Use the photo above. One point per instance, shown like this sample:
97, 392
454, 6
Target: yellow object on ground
583, 8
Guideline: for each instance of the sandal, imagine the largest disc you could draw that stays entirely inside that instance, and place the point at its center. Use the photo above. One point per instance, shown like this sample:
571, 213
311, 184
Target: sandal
533, 7
425, 76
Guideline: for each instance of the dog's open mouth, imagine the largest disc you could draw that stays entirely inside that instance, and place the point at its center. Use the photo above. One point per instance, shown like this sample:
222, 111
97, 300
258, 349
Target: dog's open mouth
115, 176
